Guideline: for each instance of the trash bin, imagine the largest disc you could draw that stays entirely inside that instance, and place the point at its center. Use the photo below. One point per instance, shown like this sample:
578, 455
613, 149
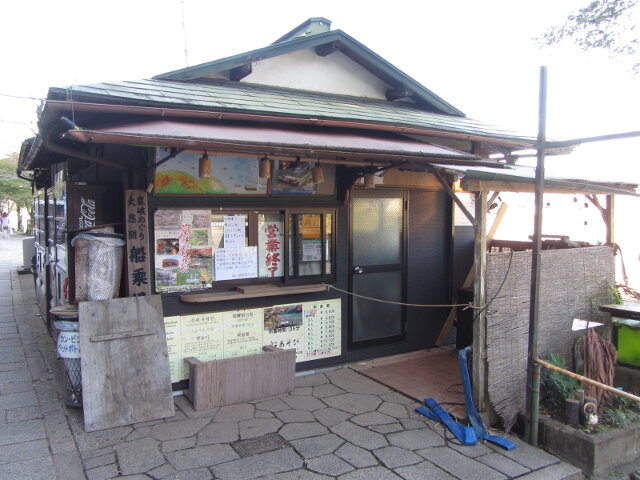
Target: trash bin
66, 331
98, 258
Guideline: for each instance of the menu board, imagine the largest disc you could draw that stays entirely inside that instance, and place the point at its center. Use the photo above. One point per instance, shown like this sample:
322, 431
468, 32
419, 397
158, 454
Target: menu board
312, 328
322, 329
243, 333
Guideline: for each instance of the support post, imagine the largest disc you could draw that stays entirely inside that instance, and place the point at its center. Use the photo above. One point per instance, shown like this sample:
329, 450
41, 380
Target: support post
534, 297
609, 211
479, 299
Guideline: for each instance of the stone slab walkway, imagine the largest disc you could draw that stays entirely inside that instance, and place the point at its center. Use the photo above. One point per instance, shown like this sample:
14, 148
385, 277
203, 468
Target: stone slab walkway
335, 424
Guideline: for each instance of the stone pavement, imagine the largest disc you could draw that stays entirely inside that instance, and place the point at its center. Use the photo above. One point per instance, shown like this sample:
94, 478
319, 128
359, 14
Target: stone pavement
335, 424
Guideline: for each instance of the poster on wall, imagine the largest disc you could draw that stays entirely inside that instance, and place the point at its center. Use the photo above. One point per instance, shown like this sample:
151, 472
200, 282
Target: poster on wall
292, 178
270, 239
183, 254
236, 263
225, 175
312, 328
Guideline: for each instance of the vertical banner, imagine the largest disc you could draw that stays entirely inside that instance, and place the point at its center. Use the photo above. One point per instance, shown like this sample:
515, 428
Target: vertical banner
138, 271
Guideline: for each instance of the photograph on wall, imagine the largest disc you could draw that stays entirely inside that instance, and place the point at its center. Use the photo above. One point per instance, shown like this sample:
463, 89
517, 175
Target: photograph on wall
191, 173
292, 178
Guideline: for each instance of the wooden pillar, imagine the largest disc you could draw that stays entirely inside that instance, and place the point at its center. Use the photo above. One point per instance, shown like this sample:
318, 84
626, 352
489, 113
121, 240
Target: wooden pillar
479, 363
609, 209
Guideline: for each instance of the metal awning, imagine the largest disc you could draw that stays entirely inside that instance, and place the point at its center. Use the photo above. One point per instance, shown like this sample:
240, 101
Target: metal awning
520, 178
336, 144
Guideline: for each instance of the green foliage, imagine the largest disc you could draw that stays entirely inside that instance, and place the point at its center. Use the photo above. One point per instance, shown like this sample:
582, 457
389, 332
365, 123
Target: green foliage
617, 299
622, 413
12, 188
603, 24
556, 386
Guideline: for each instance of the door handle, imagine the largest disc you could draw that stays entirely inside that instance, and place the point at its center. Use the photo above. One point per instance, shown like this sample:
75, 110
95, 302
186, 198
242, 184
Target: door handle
358, 270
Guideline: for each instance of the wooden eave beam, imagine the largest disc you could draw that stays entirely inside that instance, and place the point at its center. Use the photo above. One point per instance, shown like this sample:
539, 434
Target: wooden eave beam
455, 198
398, 93
238, 73
327, 49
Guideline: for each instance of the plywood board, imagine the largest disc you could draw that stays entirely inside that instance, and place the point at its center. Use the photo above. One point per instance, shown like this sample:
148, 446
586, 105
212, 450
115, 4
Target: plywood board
125, 364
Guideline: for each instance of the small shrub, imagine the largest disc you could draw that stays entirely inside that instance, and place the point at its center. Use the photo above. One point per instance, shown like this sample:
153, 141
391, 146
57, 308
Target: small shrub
622, 413
556, 386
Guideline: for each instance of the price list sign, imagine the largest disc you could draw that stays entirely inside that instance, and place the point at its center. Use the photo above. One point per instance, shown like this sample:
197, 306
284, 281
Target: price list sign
322, 329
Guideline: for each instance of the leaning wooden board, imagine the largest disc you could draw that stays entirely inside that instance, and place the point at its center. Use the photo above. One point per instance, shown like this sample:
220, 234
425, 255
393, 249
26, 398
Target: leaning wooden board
125, 364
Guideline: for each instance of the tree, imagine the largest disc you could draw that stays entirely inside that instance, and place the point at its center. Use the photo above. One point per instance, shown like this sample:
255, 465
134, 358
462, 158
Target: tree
14, 191
603, 24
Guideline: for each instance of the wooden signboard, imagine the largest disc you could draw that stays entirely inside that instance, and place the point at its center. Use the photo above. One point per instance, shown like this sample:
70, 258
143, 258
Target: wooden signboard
138, 270
124, 360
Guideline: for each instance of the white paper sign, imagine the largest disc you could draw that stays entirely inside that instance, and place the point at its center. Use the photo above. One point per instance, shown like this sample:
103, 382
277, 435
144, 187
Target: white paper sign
69, 344
234, 231
235, 263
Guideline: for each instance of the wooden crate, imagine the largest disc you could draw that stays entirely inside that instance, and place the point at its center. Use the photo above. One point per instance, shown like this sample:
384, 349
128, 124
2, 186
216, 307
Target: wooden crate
233, 380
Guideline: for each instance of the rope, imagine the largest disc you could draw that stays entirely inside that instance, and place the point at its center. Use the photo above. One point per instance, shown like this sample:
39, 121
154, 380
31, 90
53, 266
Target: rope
465, 305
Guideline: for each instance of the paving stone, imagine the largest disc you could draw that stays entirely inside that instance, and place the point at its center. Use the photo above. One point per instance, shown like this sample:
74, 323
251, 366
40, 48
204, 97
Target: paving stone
68, 466
317, 446
307, 403
18, 376
415, 439
162, 471
413, 423
102, 473
356, 456
394, 410
359, 436
297, 475
180, 429
23, 385
18, 452
139, 456
559, 470
26, 413
274, 405
219, 433
21, 432
178, 444
388, 428
199, 474
63, 447
411, 410
311, 380
293, 416
531, 457
458, 465
183, 404
393, 457
373, 473
372, 418
96, 453
355, 403
351, 381
57, 429
18, 400
422, 471
326, 390
37, 469
199, 457
330, 416
263, 414
99, 461
503, 464
302, 391
471, 451
138, 433
258, 465
329, 465
234, 413
12, 366
293, 431
257, 427
395, 397
99, 439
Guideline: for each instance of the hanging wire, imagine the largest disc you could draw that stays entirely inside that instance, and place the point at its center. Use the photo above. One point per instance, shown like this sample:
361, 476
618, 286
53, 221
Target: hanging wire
184, 34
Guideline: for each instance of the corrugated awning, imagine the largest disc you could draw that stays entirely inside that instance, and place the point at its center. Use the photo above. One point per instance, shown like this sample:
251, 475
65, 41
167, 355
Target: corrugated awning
314, 143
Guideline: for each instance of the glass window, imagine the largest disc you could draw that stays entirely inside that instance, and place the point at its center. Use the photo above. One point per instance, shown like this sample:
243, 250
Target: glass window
199, 249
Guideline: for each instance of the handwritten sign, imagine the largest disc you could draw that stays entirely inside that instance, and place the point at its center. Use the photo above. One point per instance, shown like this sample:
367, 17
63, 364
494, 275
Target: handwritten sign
235, 263
234, 231
270, 238
137, 243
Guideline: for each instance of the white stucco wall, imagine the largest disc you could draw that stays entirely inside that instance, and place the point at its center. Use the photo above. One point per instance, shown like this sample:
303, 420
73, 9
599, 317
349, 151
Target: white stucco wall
303, 69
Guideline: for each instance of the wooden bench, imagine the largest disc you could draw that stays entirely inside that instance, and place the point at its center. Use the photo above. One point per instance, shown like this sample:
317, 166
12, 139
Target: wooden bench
233, 380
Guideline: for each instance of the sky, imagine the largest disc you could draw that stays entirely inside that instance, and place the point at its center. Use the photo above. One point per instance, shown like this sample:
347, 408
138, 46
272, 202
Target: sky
478, 56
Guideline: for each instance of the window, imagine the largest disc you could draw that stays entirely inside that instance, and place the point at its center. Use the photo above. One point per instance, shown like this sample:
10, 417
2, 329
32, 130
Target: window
198, 249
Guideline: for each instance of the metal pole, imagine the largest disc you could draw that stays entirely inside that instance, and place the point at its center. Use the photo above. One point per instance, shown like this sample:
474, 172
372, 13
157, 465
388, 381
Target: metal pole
535, 404
534, 299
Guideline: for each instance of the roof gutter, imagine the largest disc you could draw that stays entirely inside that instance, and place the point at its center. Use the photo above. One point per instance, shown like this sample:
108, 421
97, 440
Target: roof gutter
161, 112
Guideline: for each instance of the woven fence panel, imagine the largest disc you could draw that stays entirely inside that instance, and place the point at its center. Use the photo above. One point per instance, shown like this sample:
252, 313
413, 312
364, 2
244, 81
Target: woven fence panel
572, 283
